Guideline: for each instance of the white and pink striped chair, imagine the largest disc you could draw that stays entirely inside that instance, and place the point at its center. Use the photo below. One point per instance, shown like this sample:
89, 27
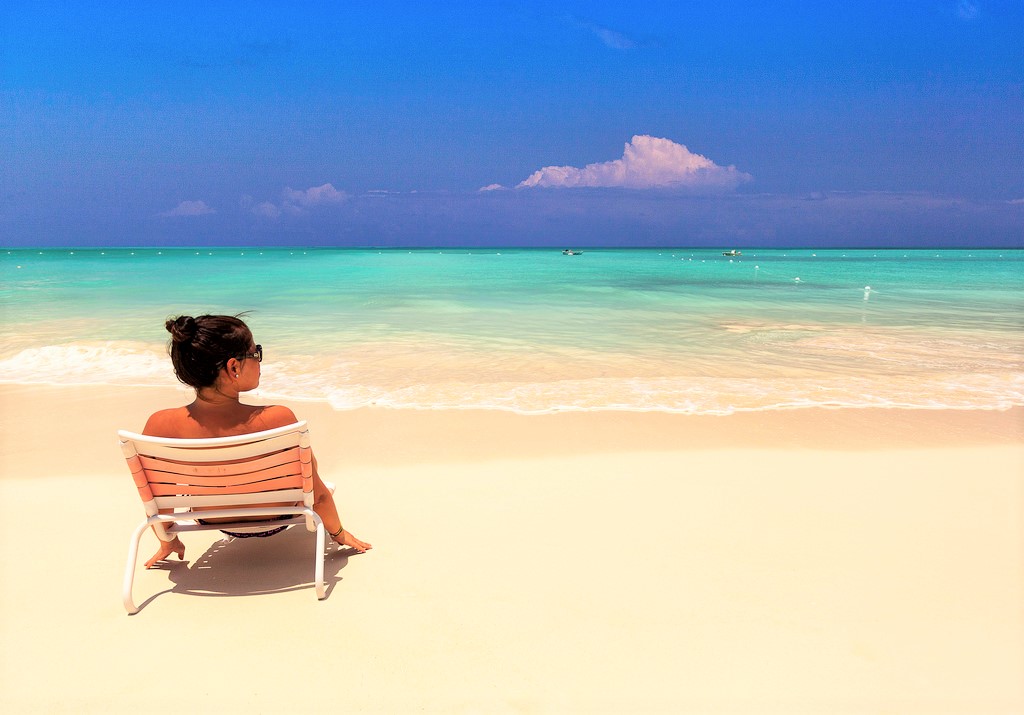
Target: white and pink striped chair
225, 478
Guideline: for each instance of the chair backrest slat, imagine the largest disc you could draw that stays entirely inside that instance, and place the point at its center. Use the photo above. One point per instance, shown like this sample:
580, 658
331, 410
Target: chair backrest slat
203, 501
238, 473
251, 479
216, 469
289, 481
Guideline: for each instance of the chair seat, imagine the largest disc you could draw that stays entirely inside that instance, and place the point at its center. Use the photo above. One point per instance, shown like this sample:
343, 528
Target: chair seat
247, 526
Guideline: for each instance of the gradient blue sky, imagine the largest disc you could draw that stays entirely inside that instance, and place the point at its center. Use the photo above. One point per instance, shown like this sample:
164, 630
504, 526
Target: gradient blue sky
378, 123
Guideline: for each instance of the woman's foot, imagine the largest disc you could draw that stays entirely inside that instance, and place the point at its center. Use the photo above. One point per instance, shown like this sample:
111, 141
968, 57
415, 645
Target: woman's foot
346, 539
166, 549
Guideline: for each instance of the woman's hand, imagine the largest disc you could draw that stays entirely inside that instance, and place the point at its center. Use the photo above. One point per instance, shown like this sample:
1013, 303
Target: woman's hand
166, 549
346, 539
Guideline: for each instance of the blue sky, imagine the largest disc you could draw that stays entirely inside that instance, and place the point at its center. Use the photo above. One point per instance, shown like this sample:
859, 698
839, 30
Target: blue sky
504, 123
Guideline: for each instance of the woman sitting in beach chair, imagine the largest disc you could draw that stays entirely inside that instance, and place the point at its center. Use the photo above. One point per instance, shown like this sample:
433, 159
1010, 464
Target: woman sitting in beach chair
216, 355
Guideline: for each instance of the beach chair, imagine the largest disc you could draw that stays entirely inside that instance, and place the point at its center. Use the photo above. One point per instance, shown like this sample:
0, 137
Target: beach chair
228, 478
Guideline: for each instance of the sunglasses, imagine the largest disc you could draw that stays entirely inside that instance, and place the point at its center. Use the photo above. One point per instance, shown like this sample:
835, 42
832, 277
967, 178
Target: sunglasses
258, 354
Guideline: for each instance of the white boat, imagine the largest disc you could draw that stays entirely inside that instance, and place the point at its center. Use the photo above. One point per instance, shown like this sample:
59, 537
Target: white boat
733, 252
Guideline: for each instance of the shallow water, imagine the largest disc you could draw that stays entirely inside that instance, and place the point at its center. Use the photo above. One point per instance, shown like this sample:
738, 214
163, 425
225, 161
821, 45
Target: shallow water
533, 330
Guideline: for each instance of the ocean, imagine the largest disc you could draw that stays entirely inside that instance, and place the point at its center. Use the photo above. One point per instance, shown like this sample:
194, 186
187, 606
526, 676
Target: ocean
533, 330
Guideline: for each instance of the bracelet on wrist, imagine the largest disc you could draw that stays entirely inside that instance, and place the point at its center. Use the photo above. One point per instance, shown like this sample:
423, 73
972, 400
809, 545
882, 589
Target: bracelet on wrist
337, 533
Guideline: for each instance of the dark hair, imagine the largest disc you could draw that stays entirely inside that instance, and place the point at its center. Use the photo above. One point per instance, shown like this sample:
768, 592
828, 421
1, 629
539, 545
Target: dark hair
201, 346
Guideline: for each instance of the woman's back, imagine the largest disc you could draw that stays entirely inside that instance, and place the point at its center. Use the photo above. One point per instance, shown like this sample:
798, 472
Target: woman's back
204, 418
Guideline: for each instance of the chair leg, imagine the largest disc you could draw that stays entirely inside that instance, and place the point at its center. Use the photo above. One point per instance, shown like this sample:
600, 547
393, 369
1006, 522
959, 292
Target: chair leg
321, 543
129, 570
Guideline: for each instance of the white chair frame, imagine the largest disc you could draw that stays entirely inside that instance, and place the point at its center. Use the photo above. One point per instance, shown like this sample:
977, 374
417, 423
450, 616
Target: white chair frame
225, 478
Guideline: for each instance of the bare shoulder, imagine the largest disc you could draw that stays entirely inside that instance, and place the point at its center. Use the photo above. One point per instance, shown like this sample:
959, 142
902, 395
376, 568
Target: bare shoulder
273, 416
166, 423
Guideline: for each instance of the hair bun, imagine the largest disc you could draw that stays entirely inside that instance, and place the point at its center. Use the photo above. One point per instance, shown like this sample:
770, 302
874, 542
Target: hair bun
182, 328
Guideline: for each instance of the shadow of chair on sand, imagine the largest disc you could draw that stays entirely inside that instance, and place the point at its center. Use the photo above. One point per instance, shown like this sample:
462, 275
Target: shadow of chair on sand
253, 566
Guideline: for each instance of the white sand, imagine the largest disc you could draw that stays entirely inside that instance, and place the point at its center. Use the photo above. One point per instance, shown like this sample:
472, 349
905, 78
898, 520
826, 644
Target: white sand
798, 562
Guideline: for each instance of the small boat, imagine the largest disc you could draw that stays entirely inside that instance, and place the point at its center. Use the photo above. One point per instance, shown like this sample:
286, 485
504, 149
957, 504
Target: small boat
570, 252
733, 252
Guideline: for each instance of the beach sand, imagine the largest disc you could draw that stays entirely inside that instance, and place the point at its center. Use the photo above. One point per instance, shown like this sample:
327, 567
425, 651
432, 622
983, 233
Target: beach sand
807, 561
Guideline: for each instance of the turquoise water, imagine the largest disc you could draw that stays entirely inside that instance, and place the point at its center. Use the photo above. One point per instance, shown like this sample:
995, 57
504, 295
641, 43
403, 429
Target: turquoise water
533, 330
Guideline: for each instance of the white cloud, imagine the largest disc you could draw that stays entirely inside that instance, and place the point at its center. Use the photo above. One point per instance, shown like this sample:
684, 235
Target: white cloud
966, 10
266, 209
647, 162
189, 208
314, 196
294, 201
491, 187
611, 38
